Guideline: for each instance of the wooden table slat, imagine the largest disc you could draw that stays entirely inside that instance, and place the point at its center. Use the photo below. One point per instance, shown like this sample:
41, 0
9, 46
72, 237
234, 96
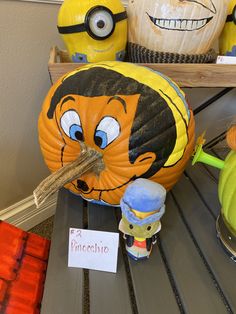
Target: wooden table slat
109, 293
206, 178
64, 286
202, 226
191, 276
221, 150
197, 96
185, 74
152, 287
221, 114
206, 185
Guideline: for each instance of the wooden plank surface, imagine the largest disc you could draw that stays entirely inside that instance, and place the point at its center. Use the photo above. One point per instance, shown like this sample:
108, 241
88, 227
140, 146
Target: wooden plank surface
201, 225
186, 75
198, 96
215, 119
221, 150
64, 286
152, 287
206, 184
192, 278
109, 293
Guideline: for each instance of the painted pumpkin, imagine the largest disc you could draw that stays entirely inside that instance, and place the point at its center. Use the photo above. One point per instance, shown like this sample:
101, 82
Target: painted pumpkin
93, 30
136, 119
178, 26
227, 41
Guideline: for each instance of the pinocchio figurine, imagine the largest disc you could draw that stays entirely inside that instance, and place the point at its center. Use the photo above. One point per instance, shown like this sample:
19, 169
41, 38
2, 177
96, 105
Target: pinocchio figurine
142, 205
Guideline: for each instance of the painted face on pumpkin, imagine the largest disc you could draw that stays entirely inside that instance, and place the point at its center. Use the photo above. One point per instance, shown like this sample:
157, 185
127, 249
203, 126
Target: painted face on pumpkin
93, 32
179, 26
108, 131
106, 111
176, 20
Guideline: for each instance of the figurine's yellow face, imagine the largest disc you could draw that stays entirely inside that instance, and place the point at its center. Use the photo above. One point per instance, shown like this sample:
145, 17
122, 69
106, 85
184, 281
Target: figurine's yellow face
93, 33
144, 232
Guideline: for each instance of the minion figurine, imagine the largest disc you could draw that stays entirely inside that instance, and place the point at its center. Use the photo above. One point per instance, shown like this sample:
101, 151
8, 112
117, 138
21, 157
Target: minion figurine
227, 41
142, 207
93, 30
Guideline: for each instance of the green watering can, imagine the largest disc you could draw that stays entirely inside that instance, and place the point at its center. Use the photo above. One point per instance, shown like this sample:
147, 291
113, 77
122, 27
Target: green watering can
226, 221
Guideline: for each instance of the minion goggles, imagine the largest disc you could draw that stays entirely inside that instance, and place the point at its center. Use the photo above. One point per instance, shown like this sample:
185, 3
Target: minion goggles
232, 17
99, 23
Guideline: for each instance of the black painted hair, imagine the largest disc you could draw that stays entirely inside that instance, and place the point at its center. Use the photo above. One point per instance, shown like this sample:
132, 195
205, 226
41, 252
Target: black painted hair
153, 128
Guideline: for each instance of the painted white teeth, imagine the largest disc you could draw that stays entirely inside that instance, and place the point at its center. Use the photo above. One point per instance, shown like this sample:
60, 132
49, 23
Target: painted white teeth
166, 24
161, 23
183, 24
189, 25
194, 25
173, 24
178, 24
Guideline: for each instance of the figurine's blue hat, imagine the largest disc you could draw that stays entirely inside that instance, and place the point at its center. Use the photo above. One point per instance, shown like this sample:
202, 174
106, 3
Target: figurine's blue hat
144, 196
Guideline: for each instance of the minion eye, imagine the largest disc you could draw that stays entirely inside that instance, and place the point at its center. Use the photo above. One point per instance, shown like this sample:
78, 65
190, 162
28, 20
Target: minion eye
232, 17
100, 22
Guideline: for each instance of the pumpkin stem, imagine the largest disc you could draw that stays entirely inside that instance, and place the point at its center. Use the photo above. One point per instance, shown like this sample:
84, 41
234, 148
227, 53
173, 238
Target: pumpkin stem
88, 160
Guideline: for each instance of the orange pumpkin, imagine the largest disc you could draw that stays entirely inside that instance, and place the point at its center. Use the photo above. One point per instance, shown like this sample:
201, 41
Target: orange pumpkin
137, 119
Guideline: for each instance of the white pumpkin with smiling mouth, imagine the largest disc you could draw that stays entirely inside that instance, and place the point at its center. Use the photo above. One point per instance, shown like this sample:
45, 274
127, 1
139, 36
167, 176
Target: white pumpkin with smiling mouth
178, 26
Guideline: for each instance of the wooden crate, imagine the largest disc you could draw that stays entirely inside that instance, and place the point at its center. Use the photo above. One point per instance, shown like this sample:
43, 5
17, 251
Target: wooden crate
186, 75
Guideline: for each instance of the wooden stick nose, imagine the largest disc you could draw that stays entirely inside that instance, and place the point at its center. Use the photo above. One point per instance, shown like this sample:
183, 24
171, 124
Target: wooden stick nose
88, 160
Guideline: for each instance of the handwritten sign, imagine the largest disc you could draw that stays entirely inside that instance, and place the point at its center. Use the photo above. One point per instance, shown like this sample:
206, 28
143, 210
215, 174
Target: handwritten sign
226, 60
90, 249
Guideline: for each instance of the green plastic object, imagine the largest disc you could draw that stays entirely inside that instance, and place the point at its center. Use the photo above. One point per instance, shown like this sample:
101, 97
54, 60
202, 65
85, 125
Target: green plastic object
201, 156
226, 222
227, 192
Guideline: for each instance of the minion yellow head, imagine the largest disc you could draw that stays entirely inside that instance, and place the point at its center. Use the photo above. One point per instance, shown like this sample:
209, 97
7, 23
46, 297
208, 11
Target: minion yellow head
227, 41
232, 9
93, 30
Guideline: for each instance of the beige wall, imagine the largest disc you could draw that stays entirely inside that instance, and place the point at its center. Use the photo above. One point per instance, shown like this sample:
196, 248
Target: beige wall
28, 30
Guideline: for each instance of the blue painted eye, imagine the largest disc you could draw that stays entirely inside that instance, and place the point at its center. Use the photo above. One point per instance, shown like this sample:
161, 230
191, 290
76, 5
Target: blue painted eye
71, 125
100, 139
76, 133
106, 132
